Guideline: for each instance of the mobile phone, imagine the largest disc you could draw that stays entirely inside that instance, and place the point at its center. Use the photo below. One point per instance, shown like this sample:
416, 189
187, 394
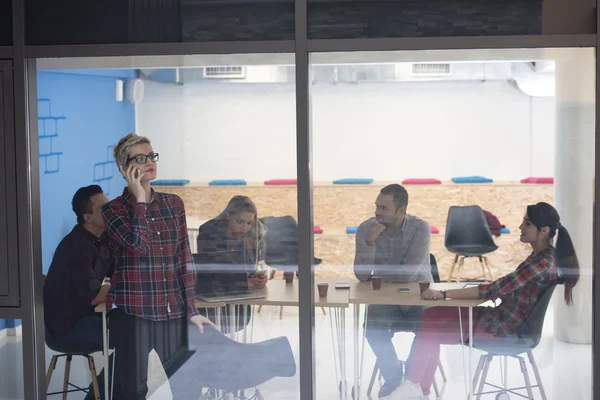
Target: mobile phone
342, 286
404, 290
136, 173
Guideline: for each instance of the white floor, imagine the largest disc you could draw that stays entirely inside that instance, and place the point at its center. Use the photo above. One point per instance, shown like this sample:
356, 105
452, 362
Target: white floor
565, 369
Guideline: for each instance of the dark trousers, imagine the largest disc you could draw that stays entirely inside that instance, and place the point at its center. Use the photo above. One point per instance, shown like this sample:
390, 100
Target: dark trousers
134, 338
88, 331
382, 322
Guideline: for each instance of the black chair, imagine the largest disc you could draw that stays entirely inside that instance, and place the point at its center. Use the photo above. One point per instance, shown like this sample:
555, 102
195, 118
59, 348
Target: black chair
281, 242
411, 327
468, 235
69, 352
524, 341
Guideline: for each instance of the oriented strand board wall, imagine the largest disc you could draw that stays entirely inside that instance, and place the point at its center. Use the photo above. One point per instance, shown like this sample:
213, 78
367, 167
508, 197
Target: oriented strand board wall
338, 206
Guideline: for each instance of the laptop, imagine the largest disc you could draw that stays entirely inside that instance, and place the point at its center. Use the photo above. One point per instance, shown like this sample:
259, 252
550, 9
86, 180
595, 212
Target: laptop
222, 276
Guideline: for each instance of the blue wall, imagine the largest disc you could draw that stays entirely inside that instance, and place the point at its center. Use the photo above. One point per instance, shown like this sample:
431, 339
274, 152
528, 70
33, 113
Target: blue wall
79, 120
82, 121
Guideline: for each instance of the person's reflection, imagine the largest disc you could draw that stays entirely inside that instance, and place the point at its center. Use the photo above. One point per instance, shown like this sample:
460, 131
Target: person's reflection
237, 228
153, 286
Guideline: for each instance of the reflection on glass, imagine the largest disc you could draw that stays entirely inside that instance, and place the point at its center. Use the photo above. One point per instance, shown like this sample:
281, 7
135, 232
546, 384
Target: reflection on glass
182, 250
384, 19
426, 167
11, 359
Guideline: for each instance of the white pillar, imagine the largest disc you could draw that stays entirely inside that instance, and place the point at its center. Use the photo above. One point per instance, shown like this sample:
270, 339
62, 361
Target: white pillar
574, 183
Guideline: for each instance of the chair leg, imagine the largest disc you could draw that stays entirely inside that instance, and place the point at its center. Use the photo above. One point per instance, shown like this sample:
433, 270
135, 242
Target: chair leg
442, 372
478, 371
259, 308
461, 264
526, 377
324, 312
95, 386
487, 265
486, 368
482, 265
67, 373
372, 381
452, 268
536, 372
281, 312
50, 371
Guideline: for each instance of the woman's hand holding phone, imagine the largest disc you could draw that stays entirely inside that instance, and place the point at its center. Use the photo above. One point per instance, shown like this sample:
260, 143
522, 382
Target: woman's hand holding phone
134, 182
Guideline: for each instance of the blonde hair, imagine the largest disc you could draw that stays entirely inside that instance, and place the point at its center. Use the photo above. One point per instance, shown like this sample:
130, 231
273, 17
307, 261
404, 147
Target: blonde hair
256, 235
121, 150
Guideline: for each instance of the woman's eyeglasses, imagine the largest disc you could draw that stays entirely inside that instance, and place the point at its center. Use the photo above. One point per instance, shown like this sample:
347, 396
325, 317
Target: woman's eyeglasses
142, 158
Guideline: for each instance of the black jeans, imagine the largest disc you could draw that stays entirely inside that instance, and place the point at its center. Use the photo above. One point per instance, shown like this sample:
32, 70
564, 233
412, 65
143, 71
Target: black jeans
382, 322
134, 338
88, 331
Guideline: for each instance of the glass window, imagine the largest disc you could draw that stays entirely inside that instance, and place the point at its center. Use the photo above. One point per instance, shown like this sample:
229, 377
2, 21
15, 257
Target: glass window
380, 19
141, 21
425, 164
11, 359
222, 146
5, 22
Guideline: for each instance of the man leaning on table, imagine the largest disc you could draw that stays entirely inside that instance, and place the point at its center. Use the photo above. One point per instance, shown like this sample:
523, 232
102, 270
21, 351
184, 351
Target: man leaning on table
73, 286
395, 246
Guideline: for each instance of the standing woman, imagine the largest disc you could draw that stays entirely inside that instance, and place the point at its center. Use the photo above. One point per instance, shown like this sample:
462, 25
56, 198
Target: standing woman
237, 228
153, 286
519, 291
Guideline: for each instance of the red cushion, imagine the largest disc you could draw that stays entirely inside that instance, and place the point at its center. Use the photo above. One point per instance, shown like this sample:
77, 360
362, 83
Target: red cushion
533, 179
434, 230
421, 181
281, 182
317, 229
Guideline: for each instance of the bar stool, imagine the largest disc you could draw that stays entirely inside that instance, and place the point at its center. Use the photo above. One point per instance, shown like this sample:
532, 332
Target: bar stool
69, 352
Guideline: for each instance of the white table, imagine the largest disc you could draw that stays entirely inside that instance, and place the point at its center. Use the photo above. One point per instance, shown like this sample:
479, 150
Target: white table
363, 293
279, 293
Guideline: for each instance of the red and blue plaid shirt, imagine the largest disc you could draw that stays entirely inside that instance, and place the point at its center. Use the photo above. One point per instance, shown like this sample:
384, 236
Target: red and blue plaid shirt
153, 275
519, 291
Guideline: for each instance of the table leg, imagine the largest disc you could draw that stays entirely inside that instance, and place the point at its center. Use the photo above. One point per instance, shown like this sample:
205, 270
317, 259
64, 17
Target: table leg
232, 320
356, 358
335, 335
244, 336
105, 351
362, 351
470, 349
342, 341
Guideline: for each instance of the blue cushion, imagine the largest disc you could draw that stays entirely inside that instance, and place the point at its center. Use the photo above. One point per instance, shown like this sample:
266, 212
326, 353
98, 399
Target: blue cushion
170, 182
472, 179
505, 230
227, 182
353, 181
351, 229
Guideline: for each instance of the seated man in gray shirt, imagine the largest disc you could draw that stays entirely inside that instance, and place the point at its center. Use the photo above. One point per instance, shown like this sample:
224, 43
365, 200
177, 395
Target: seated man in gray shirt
395, 246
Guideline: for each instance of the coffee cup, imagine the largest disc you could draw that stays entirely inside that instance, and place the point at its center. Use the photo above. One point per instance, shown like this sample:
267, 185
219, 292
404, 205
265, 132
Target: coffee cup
323, 287
376, 282
288, 276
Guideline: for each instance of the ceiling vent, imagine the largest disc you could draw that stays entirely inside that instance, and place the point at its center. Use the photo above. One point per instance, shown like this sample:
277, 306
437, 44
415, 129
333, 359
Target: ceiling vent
224, 72
427, 69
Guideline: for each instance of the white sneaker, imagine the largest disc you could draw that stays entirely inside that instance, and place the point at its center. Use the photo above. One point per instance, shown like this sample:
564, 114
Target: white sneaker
408, 391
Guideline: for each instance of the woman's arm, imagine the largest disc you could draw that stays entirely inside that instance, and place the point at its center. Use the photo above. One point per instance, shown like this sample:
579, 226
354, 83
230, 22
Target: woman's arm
128, 233
465, 293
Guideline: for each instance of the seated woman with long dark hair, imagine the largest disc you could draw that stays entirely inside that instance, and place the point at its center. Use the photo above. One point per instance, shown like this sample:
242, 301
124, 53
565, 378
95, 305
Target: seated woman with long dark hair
519, 291
238, 229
